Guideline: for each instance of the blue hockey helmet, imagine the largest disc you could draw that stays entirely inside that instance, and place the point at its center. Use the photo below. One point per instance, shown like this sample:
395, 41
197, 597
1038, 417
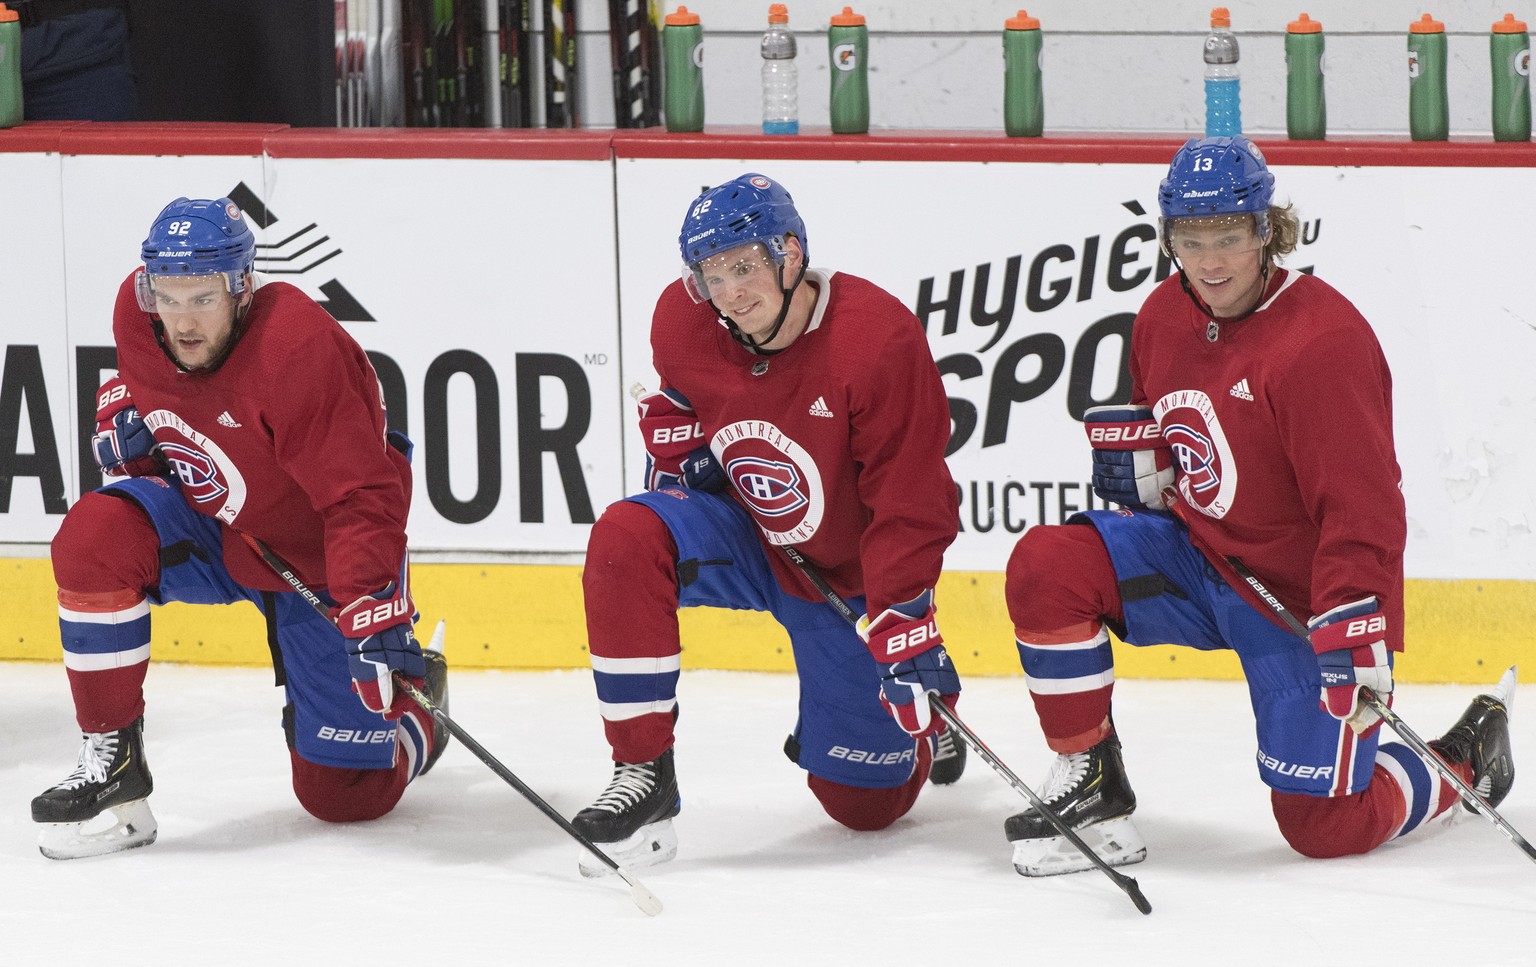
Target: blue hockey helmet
751, 208
1218, 176
192, 237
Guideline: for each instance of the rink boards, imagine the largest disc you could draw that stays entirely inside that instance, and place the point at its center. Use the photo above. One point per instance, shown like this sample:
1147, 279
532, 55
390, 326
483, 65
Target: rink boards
502, 284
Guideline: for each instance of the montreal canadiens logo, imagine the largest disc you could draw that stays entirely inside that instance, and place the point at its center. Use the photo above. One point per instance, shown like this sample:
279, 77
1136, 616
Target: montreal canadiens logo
198, 475
772, 487
774, 476
205, 473
1207, 473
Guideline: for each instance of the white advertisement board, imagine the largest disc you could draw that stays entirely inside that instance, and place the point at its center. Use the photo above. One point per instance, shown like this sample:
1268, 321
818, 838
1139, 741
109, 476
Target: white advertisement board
505, 322
1027, 276
484, 291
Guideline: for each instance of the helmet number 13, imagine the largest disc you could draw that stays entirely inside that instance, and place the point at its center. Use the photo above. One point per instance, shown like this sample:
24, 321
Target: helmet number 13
1206, 163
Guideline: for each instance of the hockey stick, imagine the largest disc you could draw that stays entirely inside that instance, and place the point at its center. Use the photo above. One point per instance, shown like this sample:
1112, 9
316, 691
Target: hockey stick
1409, 736
644, 898
1128, 884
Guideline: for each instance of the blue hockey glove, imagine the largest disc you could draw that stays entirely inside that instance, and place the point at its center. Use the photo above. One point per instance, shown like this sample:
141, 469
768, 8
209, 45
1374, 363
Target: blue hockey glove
1351, 647
1131, 464
676, 452
381, 641
913, 663
123, 445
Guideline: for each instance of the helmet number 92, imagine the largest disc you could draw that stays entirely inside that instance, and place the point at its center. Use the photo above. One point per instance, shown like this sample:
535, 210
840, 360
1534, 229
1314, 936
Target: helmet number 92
178, 228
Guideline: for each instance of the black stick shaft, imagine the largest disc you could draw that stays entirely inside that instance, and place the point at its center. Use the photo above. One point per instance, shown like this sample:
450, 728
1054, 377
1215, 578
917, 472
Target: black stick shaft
1128, 884
646, 900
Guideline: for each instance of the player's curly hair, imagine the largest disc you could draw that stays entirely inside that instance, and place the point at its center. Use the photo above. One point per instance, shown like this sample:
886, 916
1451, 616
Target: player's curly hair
1284, 231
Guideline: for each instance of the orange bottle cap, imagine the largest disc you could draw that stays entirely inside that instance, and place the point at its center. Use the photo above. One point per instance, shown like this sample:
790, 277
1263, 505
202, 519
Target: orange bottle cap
778, 14
682, 18
1221, 17
848, 18
1509, 25
1304, 25
1426, 25
1022, 22
7, 15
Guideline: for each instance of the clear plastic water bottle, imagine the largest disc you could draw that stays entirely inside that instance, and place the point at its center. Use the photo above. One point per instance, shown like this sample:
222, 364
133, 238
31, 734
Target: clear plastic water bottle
1223, 107
781, 81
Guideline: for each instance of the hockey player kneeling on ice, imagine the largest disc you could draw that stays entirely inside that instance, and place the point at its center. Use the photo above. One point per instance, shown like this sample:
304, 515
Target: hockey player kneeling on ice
1261, 416
797, 407
241, 410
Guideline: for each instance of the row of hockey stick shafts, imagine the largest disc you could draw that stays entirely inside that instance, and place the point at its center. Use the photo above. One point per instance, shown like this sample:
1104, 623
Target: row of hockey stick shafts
468, 63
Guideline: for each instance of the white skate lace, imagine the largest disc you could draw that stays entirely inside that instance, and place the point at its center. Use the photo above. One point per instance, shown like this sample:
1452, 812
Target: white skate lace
946, 749
632, 782
1066, 773
95, 759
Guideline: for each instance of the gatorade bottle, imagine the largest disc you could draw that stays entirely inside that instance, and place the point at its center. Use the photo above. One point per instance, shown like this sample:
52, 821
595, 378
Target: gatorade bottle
1023, 100
682, 40
1223, 102
1429, 110
1510, 51
781, 82
1306, 110
848, 44
10, 67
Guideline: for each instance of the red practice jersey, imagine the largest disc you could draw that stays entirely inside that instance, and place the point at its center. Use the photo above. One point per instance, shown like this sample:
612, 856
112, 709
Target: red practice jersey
284, 441
1281, 427
835, 445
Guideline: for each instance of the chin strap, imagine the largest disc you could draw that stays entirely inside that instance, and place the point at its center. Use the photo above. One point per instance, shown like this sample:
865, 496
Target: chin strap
750, 344
1194, 297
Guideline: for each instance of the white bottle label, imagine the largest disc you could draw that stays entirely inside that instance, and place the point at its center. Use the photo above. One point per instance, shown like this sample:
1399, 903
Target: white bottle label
698, 56
1413, 64
1523, 62
845, 57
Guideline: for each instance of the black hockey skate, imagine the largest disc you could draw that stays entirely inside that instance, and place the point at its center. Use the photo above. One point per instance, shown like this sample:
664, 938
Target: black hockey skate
632, 820
435, 684
1480, 738
948, 758
102, 806
1090, 793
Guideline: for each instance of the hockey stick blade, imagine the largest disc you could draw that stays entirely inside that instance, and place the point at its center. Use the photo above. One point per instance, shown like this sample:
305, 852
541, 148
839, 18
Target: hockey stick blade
1128, 884
1395, 722
644, 898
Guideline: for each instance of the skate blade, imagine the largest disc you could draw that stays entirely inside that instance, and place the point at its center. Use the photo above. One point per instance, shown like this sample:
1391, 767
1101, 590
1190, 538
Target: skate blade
116, 828
650, 845
1504, 691
1116, 841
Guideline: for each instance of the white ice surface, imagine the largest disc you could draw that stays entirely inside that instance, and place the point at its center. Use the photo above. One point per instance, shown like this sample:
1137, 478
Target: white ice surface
466, 872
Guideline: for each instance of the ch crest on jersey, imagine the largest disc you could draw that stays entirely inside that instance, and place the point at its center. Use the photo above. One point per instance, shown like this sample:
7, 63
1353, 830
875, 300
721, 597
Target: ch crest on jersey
1207, 477
204, 472
198, 476
772, 488
774, 476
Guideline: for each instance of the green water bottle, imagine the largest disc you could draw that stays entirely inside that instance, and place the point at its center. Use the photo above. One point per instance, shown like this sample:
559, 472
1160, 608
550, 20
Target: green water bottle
848, 43
1023, 100
10, 67
682, 41
1306, 110
1510, 51
1429, 110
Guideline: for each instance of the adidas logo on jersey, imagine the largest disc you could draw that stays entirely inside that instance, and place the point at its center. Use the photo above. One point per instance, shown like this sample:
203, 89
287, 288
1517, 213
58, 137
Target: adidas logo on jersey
819, 408
1241, 391
226, 420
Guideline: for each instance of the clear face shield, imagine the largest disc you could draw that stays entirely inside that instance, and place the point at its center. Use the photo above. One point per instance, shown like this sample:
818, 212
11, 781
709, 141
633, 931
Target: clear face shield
745, 265
162, 295
1197, 237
